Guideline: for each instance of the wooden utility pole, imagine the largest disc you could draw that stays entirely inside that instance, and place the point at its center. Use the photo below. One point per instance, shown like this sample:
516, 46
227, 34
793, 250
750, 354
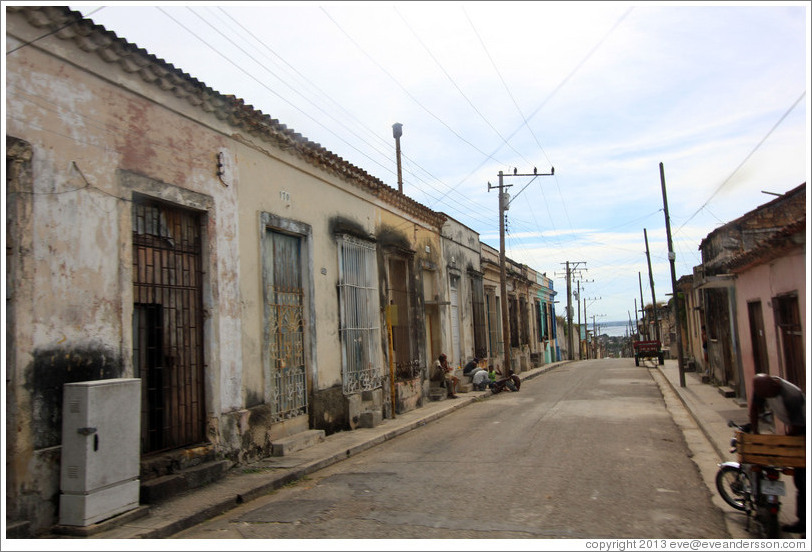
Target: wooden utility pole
504, 203
672, 258
571, 267
642, 307
502, 273
653, 297
577, 301
569, 314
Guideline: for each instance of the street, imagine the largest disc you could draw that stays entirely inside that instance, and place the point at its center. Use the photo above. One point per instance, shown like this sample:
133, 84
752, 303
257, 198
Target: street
588, 450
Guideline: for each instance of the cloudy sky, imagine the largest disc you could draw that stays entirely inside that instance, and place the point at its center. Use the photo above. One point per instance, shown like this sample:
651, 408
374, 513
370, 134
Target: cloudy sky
604, 92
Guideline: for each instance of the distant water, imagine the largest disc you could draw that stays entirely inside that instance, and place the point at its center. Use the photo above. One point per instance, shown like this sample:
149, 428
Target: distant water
613, 329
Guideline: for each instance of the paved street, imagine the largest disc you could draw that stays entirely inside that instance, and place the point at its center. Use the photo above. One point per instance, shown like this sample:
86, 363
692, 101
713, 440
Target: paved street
588, 450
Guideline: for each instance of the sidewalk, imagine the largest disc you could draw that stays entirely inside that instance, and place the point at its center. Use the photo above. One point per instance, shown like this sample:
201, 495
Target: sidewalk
709, 408
245, 483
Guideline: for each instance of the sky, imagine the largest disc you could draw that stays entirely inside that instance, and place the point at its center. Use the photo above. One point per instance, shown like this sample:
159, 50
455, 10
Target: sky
603, 92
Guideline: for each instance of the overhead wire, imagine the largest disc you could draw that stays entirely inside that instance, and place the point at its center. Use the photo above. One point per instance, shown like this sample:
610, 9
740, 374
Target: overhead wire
454, 83
746, 158
526, 119
329, 98
560, 85
451, 206
49, 33
404, 89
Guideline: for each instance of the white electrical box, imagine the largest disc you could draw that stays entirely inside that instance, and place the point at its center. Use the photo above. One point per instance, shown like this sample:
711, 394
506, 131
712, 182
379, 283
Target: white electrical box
100, 450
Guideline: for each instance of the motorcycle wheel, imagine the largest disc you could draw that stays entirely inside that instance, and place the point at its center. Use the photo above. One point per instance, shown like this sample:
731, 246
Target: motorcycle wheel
733, 485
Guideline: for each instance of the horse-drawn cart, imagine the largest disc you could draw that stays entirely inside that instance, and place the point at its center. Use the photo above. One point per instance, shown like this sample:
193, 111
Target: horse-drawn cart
648, 349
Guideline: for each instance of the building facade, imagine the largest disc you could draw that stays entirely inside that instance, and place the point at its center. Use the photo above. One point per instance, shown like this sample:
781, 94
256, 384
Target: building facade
729, 259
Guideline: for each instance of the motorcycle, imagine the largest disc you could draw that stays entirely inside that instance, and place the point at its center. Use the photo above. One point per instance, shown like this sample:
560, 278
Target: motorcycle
753, 489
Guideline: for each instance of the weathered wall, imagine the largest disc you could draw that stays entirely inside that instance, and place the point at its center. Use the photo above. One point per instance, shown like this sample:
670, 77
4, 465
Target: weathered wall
87, 130
762, 283
418, 243
461, 256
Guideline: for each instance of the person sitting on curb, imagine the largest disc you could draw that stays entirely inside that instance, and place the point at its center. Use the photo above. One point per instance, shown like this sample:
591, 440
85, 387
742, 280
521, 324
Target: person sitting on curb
512, 382
481, 379
471, 368
450, 381
788, 404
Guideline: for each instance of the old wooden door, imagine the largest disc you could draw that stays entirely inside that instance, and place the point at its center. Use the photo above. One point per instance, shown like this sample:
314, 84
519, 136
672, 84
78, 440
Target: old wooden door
757, 339
168, 324
788, 320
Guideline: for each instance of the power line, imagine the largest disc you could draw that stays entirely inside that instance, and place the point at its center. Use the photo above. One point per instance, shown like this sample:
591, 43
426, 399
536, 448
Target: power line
68, 24
450, 78
404, 89
351, 116
232, 62
747, 157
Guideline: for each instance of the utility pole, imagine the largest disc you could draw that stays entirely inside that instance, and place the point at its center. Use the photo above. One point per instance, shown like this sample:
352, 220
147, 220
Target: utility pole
504, 203
672, 258
594, 338
578, 304
571, 267
397, 132
569, 314
577, 301
586, 324
642, 307
653, 298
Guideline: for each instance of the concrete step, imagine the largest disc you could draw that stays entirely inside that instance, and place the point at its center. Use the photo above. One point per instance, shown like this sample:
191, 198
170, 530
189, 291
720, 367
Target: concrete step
160, 488
370, 418
437, 393
296, 442
726, 392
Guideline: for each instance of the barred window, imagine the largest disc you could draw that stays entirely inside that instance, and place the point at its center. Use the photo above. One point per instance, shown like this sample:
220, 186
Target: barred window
359, 328
513, 320
478, 310
524, 322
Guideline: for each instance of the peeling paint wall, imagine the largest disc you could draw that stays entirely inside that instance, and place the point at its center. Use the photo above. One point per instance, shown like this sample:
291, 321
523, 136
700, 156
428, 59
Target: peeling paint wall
93, 126
97, 137
461, 257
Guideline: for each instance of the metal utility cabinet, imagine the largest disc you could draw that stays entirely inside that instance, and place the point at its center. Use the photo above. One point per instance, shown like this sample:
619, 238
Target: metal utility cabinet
100, 450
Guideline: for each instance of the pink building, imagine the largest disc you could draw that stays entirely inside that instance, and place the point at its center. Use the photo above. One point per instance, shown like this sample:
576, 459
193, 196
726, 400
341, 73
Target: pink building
770, 299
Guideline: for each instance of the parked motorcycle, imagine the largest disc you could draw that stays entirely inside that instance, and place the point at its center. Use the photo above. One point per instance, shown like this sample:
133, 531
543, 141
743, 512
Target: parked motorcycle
752, 488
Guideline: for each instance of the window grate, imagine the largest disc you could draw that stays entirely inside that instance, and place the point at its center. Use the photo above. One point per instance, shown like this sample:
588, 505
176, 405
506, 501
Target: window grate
360, 320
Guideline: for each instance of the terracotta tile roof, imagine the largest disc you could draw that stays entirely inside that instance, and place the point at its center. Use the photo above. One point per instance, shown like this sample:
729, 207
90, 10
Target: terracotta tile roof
751, 218
778, 244
90, 37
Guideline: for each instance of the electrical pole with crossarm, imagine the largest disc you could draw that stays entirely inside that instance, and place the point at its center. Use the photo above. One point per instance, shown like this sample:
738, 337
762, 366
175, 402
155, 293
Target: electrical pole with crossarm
504, 204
